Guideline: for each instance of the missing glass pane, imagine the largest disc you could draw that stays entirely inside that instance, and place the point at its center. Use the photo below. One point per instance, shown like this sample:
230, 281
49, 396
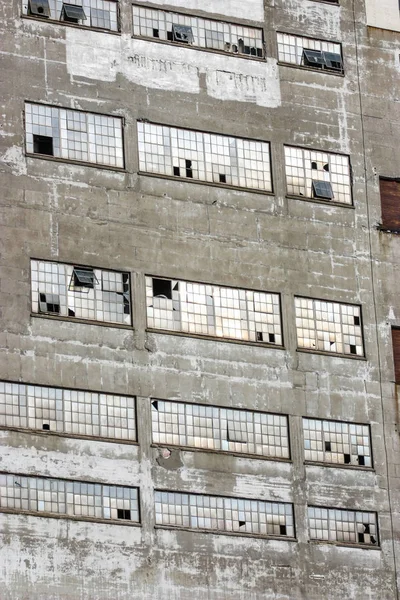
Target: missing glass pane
43, 144
162, 288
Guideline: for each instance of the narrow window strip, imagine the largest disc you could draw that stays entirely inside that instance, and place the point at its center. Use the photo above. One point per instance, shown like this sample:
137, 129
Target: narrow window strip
99, 14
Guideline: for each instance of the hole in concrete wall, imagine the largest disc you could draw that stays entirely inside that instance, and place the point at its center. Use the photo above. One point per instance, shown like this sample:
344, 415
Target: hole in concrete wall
43, 144
163, 288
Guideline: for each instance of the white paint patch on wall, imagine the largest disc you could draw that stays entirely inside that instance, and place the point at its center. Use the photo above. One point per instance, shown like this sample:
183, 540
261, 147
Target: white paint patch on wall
96, 56
250, 9
384, 14
316, 19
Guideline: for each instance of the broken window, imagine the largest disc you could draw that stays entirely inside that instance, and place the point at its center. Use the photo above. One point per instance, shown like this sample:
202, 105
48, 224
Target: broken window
335, 442
316, 174
343, 526
72, 412
74, 135
307, 52
92, 294
222, 514
212, 310
390, 203
101, 14
329, 326
217, 159
68, 498
220, 429
39, 8
49, 303
198, 32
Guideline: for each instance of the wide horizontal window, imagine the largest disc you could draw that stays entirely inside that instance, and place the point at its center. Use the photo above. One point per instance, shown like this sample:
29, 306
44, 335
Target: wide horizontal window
209, 157
319, 175
43, 496
329, 326
80, 292
102, 14
197, 32
212, 310
336, 442
343, 526
67, 411
74, 135
307, 52
224, 515
220, 429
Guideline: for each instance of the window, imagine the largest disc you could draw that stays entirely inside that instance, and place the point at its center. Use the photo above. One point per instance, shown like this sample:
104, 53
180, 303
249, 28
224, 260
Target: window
198, 32
224, 515
335, 442
343, 526
96, 501
65, 411
213, 158
306, 52
58, 290
74, 135
318, 175
329, 327
390, 202
100, 14
396, 353
216, 311
220, 429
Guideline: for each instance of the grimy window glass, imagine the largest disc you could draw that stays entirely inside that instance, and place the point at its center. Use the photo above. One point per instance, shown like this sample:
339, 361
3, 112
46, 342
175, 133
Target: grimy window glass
80, 292
101, 14
212, 310
204, 33
220, 429
307, 52
224, 515
336, 442
306, 167
74, 135
69, 499
209, 157
67, 411
343, 526
329, 326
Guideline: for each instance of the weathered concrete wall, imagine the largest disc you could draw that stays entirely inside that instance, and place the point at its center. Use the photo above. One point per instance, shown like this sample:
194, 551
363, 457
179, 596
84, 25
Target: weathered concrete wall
144, 225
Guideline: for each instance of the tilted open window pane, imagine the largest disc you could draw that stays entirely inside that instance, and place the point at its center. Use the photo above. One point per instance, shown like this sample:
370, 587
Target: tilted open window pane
315, 174
220, 429
335, 442
224, 515
215, 311
67, 411
213, 158
198, 32
343, 526
55, 285
74, 135
307, 52
329, 326
68, 498
101, 14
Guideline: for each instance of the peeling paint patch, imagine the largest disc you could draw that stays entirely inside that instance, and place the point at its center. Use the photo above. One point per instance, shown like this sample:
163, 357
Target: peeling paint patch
14, 157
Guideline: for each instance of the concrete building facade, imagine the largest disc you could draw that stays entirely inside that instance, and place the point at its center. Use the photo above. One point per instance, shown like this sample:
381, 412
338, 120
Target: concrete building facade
198, 300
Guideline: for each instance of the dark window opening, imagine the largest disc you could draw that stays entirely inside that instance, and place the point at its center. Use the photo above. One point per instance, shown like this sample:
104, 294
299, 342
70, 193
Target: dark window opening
260, 52
353, 349
46, 427
156, 33
313, 58
177, 172
124, 514
162, 288
314, 165
170, 36
328, 446
361, 460
333, 61
39, 8
242, 523
222, 178
182, 33
71, 313
347, 459
189, 171
72, 13
326, 167
260, 337
271, 337
356, 320
84, 278
49, 303
43, 144
155, 404
282, 529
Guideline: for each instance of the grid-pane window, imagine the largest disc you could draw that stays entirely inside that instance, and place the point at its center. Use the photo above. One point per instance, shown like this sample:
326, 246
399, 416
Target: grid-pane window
307, 52
69, 498
320, 175
336, 442
329, 326
211, 310
66, 411
220, 429
233, 515
213, 158
101, 14
74, 135
344, 526
80, 292
197, 32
